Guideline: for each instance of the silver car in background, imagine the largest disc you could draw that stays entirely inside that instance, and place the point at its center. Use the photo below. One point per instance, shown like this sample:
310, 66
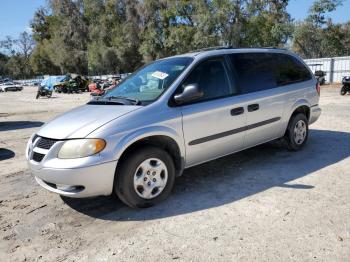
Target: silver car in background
172, 114
9, 86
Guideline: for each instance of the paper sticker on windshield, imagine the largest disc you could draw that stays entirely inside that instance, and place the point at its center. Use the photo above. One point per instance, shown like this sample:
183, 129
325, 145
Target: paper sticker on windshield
160, 75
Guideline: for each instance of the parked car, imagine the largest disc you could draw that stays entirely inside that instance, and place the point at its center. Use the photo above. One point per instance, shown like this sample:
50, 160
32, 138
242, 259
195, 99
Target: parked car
172, 114
5, 80
9, 86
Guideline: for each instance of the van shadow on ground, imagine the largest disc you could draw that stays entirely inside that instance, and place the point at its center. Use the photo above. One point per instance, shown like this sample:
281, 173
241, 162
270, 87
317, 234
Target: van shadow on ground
231, 178
6, 154
14, 125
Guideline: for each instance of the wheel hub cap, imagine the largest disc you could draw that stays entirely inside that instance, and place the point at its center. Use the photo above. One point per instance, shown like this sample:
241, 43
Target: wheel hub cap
300, 132
150, 178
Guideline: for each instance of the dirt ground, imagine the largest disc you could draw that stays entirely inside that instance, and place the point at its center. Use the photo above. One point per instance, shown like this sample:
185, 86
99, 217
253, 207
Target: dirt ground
263, 204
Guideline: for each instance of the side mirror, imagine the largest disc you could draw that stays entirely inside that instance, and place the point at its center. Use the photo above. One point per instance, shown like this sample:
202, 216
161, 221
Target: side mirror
190, 93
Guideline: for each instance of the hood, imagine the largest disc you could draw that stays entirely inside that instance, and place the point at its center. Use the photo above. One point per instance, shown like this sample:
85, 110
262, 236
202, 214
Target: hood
81, 121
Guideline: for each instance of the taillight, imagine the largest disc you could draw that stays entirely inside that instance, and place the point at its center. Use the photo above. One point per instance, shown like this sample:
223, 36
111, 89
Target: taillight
318, 88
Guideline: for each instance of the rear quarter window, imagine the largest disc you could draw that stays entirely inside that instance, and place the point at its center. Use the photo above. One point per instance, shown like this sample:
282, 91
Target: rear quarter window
289, 70
261, 71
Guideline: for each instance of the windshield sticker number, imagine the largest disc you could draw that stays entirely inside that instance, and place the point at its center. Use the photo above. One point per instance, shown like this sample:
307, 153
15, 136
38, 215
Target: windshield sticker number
160, 75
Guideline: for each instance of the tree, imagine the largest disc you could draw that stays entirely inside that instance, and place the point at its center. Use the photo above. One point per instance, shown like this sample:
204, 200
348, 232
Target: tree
318, 36
68, 35
318, 10
268, 25
7, 45
19, 51
3, 62
116, 36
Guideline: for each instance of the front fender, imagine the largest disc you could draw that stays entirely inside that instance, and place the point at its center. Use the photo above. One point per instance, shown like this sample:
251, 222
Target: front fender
141, 133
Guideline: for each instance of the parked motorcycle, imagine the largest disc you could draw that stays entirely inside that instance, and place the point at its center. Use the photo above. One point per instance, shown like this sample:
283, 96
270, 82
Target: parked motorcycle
43, 91
346, 85
320, 76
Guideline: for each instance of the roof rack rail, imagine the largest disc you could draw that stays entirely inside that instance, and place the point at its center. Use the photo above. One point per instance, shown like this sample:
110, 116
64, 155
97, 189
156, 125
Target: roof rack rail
231, 47
274, 47
211, 48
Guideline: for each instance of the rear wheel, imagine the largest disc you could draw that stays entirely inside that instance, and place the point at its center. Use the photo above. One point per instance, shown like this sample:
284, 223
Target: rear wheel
297, 132
343, 90
145, 177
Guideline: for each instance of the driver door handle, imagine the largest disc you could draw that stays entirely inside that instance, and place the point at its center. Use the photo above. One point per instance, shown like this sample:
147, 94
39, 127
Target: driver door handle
237, 111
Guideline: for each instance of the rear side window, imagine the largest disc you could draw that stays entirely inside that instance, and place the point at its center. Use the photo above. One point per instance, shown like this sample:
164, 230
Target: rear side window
255, 71
289, 70
262, 71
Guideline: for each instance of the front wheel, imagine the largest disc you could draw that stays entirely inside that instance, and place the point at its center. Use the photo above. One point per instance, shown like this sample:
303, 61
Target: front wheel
37, 95
145, 177
343, 90
297, 132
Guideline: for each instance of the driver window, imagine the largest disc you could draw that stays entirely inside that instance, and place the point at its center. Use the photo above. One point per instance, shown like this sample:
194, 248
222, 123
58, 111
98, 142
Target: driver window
211, 78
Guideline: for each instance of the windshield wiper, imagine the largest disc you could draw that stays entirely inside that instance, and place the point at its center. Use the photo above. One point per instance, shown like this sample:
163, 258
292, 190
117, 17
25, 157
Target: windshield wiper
133, 100
104, 102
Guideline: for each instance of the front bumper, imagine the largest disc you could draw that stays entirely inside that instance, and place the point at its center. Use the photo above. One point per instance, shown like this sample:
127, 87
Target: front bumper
315, 113
80, 182
80, 177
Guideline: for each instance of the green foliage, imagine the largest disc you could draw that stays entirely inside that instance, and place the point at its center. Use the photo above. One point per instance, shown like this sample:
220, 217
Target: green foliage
319, 8
111, 36
318, 36
3, 62
17, 64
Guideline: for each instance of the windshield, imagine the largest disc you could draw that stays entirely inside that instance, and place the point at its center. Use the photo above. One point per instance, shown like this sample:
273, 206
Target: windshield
148, 83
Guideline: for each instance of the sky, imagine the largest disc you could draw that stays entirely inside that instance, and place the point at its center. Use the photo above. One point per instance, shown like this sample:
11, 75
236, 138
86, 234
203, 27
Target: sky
16, 14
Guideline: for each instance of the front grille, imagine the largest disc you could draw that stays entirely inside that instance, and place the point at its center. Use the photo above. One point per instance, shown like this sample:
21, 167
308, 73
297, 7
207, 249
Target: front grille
37, 157
45, 143
34, 137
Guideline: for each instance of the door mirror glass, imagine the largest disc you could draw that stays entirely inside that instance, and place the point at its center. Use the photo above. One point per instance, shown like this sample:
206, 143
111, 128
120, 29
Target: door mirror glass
190, 92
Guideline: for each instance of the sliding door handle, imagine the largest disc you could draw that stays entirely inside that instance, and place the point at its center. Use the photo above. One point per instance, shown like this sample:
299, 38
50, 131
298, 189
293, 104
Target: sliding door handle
253, 107
237, 111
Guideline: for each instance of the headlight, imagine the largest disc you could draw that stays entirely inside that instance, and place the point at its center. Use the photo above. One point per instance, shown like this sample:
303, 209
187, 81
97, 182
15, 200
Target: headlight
81, 148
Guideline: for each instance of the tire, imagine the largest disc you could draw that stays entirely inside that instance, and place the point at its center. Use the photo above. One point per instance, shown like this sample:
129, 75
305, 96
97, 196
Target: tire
37, 95
49, 94
343, 90
297, 137
131, 170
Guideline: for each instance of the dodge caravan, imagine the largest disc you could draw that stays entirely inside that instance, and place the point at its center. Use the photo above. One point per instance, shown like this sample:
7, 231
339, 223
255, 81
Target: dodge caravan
172, 114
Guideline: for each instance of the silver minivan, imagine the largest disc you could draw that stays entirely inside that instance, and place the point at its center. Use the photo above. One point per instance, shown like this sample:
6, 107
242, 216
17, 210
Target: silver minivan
172, 114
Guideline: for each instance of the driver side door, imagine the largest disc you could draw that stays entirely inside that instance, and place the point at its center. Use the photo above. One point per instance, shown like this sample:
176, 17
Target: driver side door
213, 125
